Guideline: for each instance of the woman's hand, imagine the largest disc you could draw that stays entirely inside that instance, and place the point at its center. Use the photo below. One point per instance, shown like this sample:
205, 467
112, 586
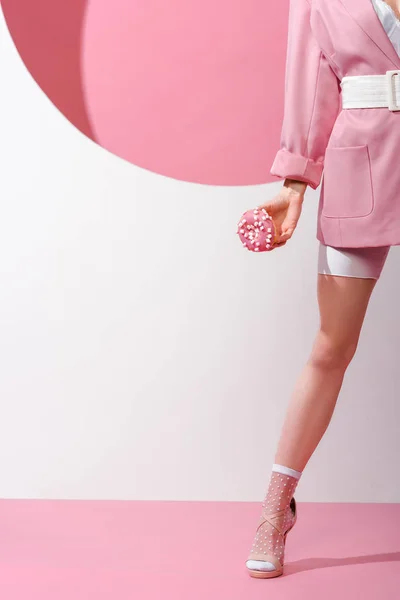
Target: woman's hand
285, 209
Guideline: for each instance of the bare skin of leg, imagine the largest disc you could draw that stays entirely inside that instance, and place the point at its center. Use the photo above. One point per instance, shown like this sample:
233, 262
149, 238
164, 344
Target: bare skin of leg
343, 303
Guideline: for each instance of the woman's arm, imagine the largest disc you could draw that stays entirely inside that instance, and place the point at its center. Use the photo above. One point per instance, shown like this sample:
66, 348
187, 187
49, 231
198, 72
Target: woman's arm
295, 186
311, 104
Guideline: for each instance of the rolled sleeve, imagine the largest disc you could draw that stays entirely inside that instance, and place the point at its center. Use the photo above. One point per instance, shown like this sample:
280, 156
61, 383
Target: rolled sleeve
311, 104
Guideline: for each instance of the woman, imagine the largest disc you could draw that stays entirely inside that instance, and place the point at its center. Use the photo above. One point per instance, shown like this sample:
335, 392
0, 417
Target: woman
342, 123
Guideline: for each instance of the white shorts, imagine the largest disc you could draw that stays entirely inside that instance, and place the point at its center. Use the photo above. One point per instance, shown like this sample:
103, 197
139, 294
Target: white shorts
352, 262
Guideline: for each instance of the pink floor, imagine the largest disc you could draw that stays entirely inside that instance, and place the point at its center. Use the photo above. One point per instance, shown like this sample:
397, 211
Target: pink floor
72, 550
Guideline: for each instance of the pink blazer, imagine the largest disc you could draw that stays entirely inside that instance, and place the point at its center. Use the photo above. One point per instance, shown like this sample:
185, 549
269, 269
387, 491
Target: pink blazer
355, 153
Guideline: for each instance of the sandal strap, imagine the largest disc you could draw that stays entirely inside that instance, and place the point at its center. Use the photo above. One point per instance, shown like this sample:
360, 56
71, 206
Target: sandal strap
274, 519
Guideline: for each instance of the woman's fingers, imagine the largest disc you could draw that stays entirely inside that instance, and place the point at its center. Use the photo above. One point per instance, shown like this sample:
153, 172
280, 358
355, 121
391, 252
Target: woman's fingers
284, 237
285, 211
290, 221
292, 216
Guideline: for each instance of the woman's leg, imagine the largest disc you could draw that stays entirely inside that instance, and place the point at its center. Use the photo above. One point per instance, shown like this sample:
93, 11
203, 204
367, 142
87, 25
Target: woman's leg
342, 303
343, 297
346, 279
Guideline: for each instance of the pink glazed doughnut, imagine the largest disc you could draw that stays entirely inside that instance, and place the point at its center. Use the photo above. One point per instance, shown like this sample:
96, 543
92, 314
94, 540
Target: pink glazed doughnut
257, 231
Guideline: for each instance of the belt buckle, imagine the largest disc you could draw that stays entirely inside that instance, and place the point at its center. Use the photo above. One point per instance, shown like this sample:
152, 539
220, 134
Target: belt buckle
391, 90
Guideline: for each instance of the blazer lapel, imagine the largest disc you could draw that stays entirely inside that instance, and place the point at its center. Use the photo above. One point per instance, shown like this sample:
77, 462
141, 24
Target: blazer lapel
364, 14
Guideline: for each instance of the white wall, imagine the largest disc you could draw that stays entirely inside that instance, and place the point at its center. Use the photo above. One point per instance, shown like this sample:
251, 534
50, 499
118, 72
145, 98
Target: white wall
134, 344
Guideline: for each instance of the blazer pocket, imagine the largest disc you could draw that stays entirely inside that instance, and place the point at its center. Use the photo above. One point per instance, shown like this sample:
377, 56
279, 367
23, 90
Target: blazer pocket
347, 182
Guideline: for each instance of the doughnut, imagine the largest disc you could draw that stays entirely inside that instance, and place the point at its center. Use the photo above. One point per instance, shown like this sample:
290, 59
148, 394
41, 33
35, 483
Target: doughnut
257, 231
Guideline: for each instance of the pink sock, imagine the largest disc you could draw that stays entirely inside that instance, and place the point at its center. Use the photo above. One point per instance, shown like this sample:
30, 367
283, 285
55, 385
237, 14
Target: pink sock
276, 519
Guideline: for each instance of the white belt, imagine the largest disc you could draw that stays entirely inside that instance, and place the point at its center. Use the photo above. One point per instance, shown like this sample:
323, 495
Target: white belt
371, 91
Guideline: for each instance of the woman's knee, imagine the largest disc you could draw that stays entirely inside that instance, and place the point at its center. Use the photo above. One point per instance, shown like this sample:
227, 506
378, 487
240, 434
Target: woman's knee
332, 352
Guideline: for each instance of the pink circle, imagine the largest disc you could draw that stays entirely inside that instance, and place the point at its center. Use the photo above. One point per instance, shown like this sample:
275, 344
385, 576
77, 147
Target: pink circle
190, 90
